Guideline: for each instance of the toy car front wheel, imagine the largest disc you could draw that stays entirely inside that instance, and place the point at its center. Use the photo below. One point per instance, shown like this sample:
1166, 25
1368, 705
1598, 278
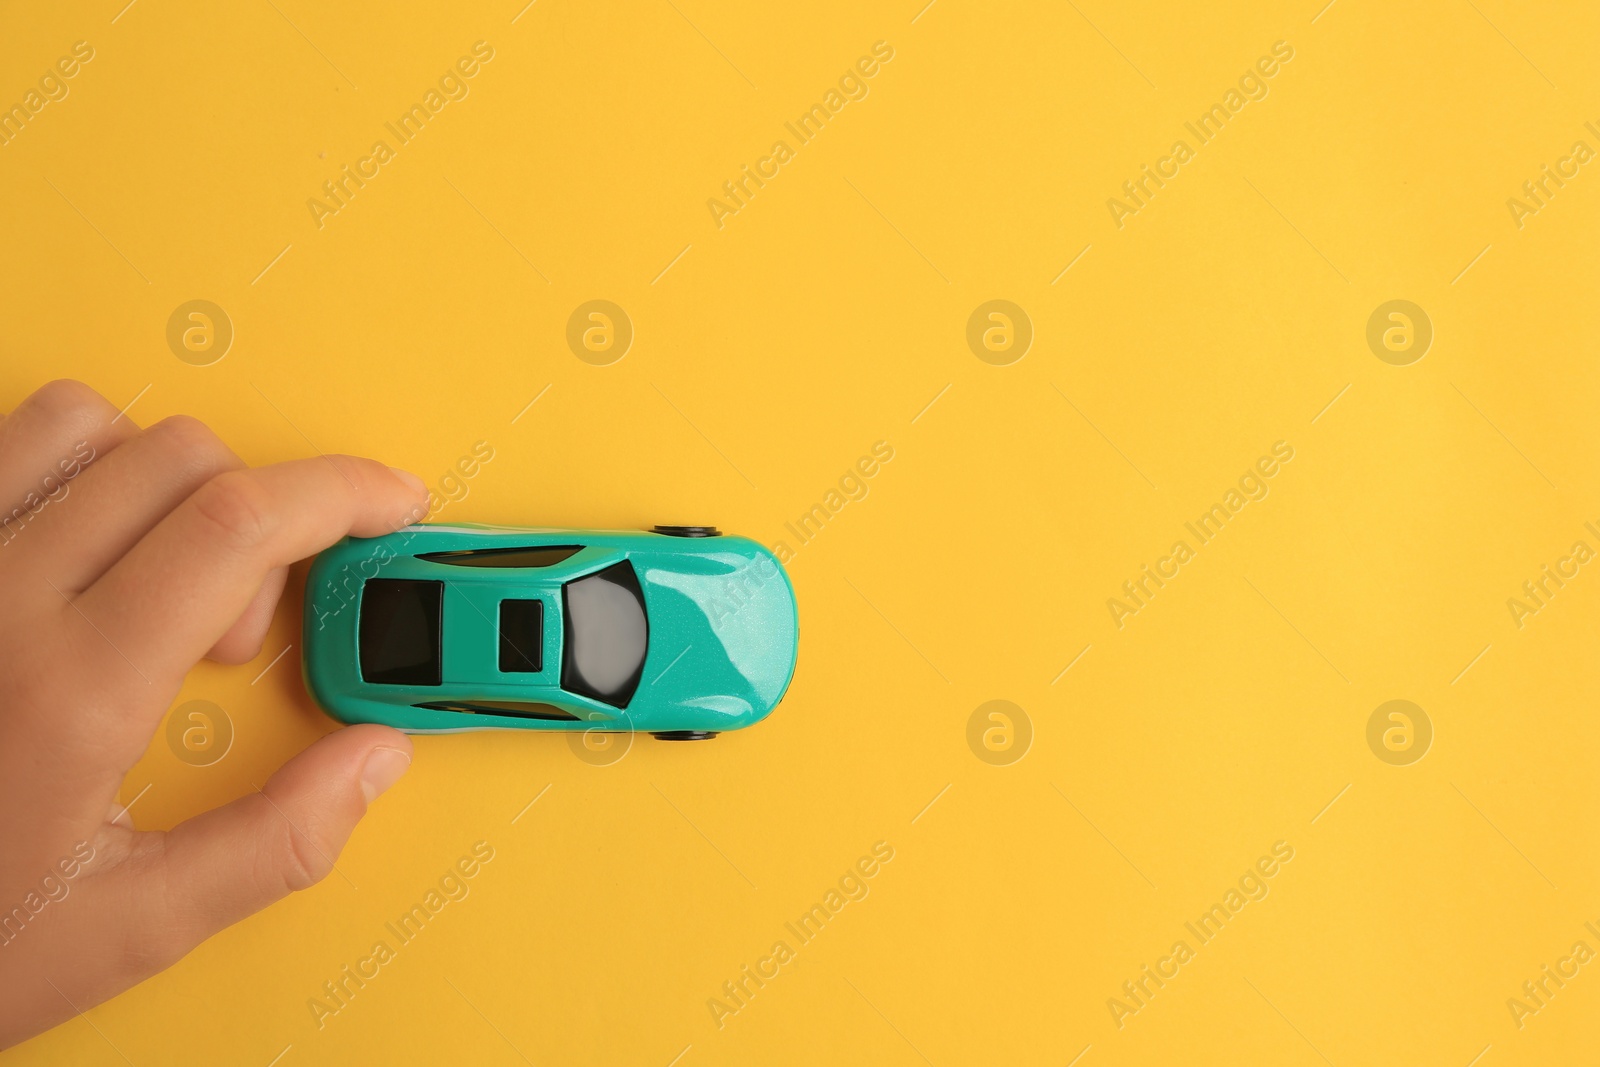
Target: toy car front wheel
687, 531
685, 735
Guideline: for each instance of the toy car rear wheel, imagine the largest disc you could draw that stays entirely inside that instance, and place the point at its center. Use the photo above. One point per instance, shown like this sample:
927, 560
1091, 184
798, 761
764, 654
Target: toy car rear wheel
687, 531
685, 735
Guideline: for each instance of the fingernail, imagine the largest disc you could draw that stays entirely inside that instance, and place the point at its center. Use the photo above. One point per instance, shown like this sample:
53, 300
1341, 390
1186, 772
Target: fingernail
415, 484
383, 768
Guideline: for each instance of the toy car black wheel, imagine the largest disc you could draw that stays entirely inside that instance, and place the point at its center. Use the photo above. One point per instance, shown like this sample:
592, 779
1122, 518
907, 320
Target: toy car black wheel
685, 735
687, 531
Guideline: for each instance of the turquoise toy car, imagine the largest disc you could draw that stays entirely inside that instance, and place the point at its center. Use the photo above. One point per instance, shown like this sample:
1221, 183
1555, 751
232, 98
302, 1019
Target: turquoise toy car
678, 631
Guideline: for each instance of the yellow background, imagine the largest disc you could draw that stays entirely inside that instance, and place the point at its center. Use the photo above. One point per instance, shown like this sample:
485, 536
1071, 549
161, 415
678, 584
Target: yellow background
774, 352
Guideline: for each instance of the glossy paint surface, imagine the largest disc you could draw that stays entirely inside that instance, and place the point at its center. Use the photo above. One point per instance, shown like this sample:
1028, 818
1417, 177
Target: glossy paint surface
723, 629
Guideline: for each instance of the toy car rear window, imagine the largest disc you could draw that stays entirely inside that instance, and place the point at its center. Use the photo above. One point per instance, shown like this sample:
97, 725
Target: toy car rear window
607, 635
399, 631
531, 556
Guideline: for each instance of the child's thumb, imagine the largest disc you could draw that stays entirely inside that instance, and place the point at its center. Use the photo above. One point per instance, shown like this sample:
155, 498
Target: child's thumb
231, 862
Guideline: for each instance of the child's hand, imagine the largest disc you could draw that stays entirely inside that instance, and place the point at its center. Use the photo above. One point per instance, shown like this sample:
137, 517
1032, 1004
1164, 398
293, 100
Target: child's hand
125, 557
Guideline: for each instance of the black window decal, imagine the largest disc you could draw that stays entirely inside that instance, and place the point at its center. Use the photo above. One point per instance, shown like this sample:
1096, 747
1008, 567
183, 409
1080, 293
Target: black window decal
400, 627
515, 709
522, 636
530, 556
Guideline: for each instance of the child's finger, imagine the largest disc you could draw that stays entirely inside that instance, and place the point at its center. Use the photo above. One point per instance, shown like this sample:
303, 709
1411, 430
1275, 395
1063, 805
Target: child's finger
182, 587
51, 436
226, 864
242, 642
106, 511
178, 888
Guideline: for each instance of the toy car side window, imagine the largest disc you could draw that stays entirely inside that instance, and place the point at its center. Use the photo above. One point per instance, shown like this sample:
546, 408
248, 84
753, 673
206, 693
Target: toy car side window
516, 709
531, 556
607, 634
399, 631
521, 636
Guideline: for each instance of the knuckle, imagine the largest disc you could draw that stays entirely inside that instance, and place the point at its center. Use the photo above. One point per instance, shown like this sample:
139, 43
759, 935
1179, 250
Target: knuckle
300, 862
67, 398
192, 445
138, 950
237, 509
186, 434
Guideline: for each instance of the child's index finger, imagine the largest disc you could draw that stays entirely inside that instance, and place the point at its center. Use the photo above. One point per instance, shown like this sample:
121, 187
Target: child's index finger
177, 592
